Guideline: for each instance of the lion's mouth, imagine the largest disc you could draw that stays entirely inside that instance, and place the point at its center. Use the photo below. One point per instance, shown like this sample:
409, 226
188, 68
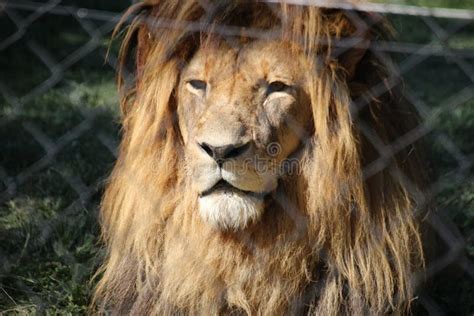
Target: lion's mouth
223, 186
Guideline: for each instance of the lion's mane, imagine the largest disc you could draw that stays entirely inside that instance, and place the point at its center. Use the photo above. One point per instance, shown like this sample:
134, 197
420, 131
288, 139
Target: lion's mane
343, 239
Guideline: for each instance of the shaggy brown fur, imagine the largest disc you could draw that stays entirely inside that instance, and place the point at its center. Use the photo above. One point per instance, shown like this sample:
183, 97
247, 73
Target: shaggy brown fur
349, 245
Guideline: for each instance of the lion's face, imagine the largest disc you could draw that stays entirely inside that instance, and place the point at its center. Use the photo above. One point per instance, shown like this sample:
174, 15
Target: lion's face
241, 183
243, 114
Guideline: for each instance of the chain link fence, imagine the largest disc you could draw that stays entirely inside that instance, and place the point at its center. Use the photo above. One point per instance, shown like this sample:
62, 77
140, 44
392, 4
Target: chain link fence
59, 131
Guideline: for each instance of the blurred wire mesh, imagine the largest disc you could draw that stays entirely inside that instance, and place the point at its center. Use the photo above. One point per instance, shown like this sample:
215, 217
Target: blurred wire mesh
59, 133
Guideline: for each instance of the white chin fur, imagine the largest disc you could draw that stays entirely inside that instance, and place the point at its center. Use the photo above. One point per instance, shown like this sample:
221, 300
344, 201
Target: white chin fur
230, 210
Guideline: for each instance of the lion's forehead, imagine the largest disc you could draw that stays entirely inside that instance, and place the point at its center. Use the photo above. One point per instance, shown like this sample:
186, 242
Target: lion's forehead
244, 66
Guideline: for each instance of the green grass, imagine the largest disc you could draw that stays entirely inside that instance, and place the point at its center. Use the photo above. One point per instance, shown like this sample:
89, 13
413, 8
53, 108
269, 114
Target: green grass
454, 4
49, 245
49, 236
51, 271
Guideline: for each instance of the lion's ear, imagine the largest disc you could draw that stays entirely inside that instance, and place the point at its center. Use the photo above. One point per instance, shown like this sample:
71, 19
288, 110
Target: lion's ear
366, 27
133, 51
138, 38
350, 59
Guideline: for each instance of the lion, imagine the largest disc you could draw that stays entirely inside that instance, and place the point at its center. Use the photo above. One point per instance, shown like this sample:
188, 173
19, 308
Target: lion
250, 179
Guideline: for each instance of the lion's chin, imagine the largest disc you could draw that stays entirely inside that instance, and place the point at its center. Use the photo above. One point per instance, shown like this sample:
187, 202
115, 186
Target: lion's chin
230, 210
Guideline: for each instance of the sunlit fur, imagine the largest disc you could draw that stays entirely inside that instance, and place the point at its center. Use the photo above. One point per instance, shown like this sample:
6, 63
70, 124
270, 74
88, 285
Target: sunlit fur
230, 211
329, 241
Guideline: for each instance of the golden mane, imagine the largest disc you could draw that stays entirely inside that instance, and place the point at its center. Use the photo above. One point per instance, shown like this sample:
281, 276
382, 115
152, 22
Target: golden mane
350, 243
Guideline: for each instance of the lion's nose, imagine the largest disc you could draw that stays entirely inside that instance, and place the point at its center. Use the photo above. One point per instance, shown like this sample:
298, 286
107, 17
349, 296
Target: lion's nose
226, 152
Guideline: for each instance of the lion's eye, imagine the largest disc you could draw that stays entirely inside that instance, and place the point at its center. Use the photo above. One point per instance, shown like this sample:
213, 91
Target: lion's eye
197, 85
276, 86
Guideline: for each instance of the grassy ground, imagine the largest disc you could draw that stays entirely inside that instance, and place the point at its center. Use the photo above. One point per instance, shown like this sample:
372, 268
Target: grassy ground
455, 4
48, 221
